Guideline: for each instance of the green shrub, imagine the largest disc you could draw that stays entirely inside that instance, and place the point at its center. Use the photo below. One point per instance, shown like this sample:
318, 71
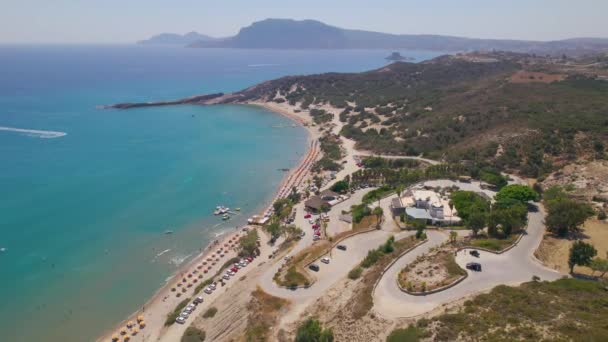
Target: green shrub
193, 334
312, 331
411, 334
355, 273
210, 313
175, 313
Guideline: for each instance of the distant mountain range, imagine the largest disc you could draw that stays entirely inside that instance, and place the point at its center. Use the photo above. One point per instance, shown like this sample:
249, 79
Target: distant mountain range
311, 34
176, 39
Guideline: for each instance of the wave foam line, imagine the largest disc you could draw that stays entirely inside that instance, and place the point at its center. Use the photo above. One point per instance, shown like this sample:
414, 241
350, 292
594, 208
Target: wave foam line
35, 132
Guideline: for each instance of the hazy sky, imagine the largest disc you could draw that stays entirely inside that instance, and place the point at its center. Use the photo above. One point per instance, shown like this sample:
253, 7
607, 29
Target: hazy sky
122, 21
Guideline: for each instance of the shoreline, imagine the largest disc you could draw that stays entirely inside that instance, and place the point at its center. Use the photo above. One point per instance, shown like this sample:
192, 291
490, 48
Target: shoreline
284, 187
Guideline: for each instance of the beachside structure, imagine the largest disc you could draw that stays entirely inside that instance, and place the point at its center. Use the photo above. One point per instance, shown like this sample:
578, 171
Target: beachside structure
325, 198
426, 205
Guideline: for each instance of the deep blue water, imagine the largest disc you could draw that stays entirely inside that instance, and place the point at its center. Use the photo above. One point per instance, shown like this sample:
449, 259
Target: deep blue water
82, 215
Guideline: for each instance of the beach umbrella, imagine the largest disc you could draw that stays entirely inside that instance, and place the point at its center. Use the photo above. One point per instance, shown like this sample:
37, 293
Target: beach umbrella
123, 331
194, 280
200, 276
189, 284
205, 271
179, 284
115, 338
184, 289
129, 324
142, 324
126, 338
178, 295
135, 331
140, 318
173, 289
204, 263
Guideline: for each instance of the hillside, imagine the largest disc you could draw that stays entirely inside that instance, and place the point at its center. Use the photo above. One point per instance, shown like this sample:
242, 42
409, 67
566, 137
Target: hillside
311, 34
517, 112
176, 39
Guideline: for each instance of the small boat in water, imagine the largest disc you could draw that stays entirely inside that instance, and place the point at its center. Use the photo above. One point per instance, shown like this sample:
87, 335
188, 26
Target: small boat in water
168, 232
225, 217
3, 249
238, 209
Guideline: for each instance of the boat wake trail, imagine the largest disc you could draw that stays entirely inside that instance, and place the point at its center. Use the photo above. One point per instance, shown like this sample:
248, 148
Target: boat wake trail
34, 132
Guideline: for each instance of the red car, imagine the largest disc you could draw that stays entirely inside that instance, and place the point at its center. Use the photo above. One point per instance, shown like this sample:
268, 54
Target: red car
317, 233
249, 259
307, 216
234, 269
315, 226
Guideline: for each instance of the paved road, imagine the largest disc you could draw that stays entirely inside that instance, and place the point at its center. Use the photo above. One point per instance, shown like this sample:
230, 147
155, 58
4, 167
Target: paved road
513, 267
387, 156
341, 261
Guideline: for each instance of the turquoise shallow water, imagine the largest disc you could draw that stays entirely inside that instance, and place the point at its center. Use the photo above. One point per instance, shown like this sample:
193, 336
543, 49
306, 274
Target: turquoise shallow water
82, 215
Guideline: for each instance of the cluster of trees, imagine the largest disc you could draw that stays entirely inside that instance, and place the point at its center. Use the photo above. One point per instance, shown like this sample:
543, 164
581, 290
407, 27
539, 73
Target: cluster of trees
248, 244
379, 163
564, 214
507, 215
311, 330
332, 152
320, 116
360, 211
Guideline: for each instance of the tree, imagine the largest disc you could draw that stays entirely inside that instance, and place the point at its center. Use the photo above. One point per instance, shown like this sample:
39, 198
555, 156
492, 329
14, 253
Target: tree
378, 213
521, 193
581, 254
399, 189
340, 187
566, 215
599, 265
248, 244
477, 221
453, 236
504, 221
312, 331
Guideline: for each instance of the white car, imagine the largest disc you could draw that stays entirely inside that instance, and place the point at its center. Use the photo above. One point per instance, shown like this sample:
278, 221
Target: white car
311, 221
184, 314
180, 320
191, 306
198, 300
316, 237
208, 290
213, 286
325, 260
287, 257
226, 277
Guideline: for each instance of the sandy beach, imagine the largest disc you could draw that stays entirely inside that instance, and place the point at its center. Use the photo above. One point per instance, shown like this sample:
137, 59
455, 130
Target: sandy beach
188, 276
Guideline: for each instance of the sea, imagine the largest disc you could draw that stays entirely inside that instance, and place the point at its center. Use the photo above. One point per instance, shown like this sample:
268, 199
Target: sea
87, 195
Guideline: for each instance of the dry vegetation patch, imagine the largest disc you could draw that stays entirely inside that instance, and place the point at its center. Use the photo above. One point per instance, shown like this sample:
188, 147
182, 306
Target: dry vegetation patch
264, 312
564, 310
431, 271
554, 251
524, 76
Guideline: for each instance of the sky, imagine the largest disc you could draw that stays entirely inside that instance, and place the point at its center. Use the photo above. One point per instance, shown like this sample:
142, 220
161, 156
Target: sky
126, 21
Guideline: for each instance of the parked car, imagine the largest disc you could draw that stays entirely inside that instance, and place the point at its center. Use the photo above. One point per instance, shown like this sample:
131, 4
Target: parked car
315, 226
325, 260
198, 300
311, 221
341, 247
191, 306
307, 216
474, 253
184, 315
180, 320
226, 276
302, 234
314, 267
474, 266
316, 237
187, 310
208, 290
249, 259
213, 286
287, 257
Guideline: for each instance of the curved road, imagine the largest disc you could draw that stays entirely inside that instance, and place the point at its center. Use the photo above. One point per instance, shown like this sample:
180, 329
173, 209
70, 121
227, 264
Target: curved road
513, 267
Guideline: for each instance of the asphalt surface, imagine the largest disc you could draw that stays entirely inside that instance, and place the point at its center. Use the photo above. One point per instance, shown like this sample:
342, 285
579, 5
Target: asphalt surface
511, 268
